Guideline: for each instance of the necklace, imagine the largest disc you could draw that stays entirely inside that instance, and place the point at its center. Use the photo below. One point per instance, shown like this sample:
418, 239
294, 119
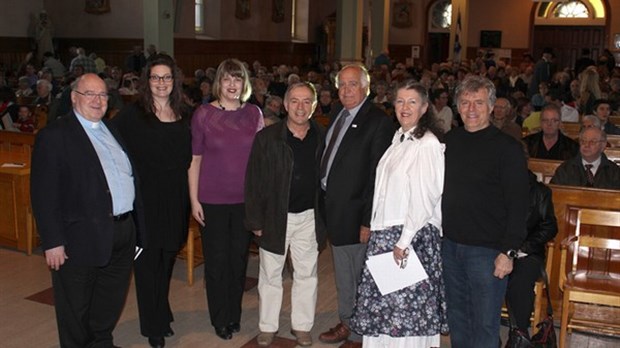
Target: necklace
219, 103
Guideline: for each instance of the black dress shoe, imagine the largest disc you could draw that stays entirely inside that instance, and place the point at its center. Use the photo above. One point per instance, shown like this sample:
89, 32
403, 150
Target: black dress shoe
169, 333
157, 342
234, 327
223, 333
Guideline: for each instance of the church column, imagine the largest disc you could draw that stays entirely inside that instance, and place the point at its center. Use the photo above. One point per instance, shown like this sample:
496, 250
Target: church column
349, 21
159, 25
379, 26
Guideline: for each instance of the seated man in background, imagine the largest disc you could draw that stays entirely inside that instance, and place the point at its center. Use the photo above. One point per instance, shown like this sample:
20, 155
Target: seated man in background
502, 118
590, 168
550, 143
590, 121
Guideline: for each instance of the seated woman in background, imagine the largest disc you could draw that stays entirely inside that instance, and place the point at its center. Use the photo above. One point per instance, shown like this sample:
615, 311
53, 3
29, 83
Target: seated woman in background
406, 217
541, 228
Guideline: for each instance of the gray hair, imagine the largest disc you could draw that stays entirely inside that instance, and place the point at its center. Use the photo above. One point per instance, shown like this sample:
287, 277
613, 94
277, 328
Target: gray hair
46, 83
595, 120
364, 76
601, 133
474, 83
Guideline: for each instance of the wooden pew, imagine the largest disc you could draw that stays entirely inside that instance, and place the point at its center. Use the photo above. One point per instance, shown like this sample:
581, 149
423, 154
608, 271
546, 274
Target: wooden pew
571, 129
613, 153
16, 142
567, 200
613, 140
543, 168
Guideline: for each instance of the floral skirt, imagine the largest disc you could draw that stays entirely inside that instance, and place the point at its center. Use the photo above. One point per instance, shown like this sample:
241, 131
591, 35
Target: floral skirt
417, 310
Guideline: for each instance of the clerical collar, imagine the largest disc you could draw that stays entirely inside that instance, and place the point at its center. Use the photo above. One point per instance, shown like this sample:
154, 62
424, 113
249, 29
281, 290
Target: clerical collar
87, 123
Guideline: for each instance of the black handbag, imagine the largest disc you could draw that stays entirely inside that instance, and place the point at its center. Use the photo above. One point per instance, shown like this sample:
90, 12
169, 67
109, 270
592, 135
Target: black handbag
544, 338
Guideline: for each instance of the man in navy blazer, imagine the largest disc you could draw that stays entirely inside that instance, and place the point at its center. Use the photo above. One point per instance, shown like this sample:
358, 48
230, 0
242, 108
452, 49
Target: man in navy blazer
357, 137
88, 215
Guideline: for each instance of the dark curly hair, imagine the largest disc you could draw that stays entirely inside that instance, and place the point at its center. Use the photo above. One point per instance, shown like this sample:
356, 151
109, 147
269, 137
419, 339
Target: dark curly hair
146, 100
428, 121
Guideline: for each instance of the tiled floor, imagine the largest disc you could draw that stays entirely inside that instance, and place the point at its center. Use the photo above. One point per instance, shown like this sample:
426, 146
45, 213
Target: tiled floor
26, 322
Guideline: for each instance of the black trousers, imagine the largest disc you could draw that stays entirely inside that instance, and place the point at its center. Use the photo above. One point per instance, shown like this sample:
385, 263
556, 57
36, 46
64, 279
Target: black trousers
225, 243
152, 272
520, 292
89, 300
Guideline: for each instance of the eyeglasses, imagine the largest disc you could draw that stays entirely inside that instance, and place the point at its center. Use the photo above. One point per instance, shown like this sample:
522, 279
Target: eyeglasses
165, 78
92, 95
552, 121
589, 142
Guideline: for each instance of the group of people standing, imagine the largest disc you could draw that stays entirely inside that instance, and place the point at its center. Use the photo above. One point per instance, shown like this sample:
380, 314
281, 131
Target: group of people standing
111, 194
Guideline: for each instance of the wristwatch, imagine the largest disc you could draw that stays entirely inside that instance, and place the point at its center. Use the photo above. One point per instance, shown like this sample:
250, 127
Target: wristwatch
512, 254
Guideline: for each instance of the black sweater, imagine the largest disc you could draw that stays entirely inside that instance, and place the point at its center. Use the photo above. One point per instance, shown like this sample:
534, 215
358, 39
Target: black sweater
485, 196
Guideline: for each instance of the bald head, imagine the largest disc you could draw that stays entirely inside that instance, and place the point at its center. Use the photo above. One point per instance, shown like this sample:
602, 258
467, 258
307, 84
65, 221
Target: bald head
90, 97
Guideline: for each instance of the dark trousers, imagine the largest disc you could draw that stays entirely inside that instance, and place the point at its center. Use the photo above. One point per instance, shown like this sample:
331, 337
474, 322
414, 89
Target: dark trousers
89, 300
225, 243
520, 292
152, 272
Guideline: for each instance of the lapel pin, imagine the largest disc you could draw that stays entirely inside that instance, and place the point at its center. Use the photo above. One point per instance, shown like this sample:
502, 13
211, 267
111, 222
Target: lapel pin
354, 126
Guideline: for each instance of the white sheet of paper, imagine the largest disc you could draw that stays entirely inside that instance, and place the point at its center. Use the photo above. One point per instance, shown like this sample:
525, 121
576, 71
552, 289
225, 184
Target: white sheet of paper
389, 277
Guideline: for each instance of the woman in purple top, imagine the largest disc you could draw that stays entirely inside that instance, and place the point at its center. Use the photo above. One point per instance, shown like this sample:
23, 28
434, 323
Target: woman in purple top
222, 136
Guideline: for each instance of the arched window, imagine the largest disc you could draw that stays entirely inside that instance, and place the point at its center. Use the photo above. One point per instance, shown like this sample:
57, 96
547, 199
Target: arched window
573, 9
574, 12
441, 16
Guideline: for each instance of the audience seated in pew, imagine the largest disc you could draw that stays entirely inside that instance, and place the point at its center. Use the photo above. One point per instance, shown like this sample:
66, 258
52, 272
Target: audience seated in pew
602, 110
591, 167
25, 121
550, 143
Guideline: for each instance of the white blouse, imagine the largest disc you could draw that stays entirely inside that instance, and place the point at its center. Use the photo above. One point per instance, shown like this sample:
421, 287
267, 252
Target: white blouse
408, 185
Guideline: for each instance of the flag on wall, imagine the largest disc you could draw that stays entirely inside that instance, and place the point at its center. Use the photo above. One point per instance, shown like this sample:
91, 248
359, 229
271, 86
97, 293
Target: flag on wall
457, 38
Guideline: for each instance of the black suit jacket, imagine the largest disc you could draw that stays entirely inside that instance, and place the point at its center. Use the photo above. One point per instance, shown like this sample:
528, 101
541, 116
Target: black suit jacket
71, 200
351, 179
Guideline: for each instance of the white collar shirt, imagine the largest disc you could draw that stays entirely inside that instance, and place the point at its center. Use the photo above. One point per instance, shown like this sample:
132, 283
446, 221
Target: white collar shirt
409, 185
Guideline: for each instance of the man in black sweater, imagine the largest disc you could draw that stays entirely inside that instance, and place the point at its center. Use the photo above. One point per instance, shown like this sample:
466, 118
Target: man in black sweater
484, 211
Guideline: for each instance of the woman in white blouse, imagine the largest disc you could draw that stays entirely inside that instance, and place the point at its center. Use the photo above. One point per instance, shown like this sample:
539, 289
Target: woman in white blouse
406, 218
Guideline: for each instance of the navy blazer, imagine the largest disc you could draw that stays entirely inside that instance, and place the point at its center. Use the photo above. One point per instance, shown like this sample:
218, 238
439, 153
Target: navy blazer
351, 179
71, 200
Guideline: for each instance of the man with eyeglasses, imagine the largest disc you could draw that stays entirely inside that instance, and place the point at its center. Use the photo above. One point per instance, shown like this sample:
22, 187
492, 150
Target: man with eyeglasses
88, 214
550, 143
590, 168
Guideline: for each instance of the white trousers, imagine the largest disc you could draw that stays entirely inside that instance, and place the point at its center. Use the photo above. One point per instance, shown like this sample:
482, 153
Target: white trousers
301, 240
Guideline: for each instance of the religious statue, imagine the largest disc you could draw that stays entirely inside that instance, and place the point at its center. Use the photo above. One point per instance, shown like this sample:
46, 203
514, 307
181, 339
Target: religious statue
43, 31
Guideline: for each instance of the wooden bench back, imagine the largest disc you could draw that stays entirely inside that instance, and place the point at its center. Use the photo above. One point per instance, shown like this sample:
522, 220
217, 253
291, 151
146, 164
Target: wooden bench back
613, 153
16, 142
543, 168
567, 202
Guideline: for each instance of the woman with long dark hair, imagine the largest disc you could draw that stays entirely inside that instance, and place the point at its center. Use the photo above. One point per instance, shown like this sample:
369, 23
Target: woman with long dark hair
156, 132
406, 218
222, 135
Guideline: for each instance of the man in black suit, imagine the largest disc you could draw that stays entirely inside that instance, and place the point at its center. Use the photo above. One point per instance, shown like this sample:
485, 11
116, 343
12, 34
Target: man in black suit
85, 203
356, 139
